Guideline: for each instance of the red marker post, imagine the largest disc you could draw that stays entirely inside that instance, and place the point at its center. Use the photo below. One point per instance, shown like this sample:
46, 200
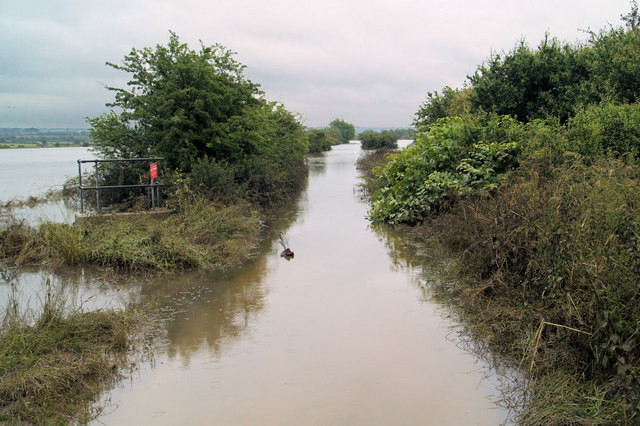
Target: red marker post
153, 169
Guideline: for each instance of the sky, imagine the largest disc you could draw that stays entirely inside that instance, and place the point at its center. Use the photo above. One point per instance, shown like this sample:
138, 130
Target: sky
369, 62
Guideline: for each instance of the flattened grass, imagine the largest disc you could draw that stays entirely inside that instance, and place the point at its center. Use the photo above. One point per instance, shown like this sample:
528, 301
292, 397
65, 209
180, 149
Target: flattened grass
54, 366
203, 235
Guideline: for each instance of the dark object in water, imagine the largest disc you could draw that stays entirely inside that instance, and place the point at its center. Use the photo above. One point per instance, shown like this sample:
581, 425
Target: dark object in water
287, 254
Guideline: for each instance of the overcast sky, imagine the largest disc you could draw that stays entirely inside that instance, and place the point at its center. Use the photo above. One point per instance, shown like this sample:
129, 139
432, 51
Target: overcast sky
369, 62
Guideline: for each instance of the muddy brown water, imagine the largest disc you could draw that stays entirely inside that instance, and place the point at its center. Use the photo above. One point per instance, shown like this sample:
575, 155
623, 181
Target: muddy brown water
345, 333
342, 334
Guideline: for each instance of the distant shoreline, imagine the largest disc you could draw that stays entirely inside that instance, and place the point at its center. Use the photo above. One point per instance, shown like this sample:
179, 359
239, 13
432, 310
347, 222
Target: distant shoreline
18, 138
31, 146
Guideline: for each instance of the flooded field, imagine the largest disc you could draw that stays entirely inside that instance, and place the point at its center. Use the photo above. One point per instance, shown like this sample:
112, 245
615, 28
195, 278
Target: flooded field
345, 333
33, 172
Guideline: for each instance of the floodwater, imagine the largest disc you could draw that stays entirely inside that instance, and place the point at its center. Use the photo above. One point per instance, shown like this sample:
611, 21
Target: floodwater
345, 333
342, 334
33, 172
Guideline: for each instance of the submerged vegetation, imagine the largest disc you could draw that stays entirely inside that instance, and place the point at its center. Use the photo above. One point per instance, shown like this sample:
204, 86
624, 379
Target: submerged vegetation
55, 364
529, 178
228, 155
200, 234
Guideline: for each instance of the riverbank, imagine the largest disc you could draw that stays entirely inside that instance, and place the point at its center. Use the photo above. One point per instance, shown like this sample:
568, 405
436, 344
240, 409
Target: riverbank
543, 271
198, 235
56, 363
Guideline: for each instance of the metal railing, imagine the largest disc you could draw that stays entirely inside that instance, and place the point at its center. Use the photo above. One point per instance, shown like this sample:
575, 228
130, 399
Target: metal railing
153, 185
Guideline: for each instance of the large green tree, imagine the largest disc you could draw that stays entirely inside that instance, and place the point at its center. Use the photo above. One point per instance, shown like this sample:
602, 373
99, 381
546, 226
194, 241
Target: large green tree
196, 108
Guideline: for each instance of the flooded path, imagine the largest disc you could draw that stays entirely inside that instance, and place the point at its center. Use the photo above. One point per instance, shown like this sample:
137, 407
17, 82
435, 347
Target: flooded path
339, 335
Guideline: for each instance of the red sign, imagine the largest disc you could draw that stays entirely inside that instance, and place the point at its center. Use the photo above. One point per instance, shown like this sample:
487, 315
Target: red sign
154, 170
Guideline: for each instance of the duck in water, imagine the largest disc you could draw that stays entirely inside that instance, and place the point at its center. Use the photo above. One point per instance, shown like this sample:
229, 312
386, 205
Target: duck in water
286, 253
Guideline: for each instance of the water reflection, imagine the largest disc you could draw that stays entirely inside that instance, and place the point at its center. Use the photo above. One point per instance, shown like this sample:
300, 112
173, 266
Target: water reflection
339, 335
342, 334
427, 271
80, 288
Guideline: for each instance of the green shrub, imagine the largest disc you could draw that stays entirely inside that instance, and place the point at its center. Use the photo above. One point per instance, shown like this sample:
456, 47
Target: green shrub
319, 141
606, 128
186, 106
556, 246
438, 166
370, 139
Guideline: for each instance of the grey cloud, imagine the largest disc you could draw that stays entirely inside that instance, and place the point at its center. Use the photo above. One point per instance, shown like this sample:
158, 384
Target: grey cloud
370, 62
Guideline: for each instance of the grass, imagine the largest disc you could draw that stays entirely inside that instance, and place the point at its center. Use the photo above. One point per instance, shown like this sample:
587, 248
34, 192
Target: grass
55, 364
202, 235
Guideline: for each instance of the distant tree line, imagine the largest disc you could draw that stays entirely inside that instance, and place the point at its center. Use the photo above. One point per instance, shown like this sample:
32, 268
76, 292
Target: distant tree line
32, 137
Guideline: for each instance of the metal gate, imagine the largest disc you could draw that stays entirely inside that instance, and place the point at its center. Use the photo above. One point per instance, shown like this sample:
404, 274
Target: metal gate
153, 185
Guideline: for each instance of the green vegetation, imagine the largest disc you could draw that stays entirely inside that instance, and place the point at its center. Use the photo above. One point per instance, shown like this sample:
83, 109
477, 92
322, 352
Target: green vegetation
346, 131
320, 140
200, 235
406, 133
55, 364
442, 163
528, 178
449, 103
42, 138
375, 140
338, 131
197, 110
228, 155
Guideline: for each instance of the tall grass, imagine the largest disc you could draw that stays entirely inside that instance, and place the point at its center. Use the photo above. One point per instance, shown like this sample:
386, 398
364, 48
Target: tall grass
551, 267
54, 364
201, 235
546, 271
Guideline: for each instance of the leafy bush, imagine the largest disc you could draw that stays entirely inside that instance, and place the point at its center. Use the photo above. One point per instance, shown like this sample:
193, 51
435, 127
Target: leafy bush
375, 140
600, 129
439, 165
346, 131
319, 140
559, 246
556, 79
450, 103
